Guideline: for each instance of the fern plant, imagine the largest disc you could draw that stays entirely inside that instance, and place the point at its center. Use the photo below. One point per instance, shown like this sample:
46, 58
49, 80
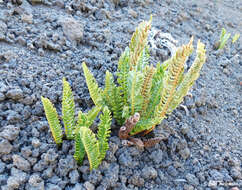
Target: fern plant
78, 128
152, 91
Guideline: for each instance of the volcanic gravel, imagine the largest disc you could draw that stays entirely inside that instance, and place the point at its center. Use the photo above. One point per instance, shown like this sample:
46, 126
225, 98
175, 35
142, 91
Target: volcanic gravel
42, 41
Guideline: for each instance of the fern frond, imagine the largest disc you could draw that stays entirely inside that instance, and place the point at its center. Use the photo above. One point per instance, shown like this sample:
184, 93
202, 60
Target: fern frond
122, 74
146, 88
138, 42
117, 105
94, 90
79, 149
144, 59
156, 89
109, 85
104, 132
91, 146
53, 120
171, 79
142, 125
189, 77
92, 114
68, 110
135, 81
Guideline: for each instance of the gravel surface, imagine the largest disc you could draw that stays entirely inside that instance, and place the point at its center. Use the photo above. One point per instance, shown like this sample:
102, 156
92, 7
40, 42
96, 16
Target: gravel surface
42, 41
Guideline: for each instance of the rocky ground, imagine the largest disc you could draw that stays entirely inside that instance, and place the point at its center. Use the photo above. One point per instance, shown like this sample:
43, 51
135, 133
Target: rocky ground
41, 41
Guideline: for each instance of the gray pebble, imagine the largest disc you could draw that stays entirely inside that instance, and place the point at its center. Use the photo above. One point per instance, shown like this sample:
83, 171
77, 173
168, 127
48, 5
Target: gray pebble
15, 94
157, 156
36, 142
89, 186
95, 177
74, 176
21, 163
65, 165
192, 179
10, 132
36, 182
149, 173
16, 179
72, 28
126, 160
5, 146
172, 171
137, 180
50, 156
185, 153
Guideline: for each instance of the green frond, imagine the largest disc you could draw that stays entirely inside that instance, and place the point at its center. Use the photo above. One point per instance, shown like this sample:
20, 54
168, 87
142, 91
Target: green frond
142, 125
109, 85
146, 88
68, 110
135, 81
81, 121
104, 128
189, 77
91, 146
53, 120
122, 74
144, 59
156, 89
172, 78
117, 105
94, 90
79, 149
92, 114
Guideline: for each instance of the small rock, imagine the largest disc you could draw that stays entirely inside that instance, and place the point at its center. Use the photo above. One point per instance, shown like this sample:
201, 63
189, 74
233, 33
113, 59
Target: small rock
89, 186
15, 94
5, 146
36, 142
192, 179
65, 165
95, 177
137, 180
149, 173
72, 28
20, 163
10, 132
50, 156
235, 173
157, 156
28, 18
132, 13
74, 176
111, 176
16, 179
126, 160
216, 175
185, 153
172, 171
21, 40
36, 181
213, 184
60, 3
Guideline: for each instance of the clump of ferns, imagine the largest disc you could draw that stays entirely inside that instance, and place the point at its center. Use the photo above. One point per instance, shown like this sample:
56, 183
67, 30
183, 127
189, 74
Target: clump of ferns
78, 128
151, 91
